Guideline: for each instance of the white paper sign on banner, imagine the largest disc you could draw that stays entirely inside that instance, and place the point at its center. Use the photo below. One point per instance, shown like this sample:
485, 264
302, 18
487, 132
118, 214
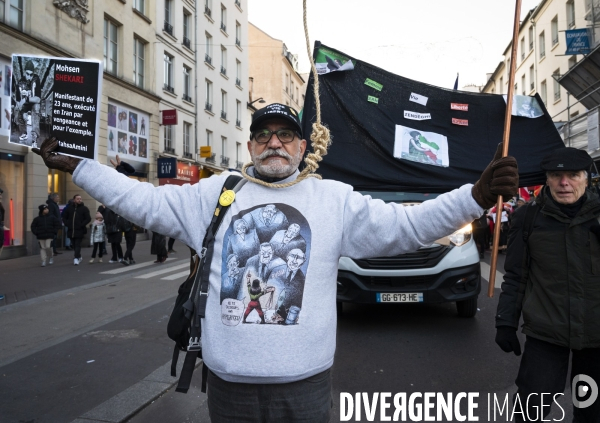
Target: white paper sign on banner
416, 116
418, 98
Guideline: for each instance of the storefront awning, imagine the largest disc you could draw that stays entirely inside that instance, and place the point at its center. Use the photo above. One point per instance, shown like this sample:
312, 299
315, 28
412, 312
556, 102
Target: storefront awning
582, 81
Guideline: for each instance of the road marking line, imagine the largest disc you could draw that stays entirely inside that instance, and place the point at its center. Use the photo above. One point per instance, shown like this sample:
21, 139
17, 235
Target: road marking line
176, 276
124, 269
161, 271
485, 274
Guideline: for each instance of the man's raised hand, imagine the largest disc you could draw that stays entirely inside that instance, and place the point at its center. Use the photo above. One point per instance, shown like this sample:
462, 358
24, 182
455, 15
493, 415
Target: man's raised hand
54, 160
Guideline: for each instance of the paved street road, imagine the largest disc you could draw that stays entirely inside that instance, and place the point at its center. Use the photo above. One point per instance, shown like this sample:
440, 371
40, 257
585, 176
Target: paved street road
65, 353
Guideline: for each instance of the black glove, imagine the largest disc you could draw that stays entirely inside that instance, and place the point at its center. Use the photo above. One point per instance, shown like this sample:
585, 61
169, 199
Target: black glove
54, 160
506, 338
500, 177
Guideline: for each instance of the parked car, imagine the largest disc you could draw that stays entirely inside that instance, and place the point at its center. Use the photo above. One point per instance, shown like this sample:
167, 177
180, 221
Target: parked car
448, 270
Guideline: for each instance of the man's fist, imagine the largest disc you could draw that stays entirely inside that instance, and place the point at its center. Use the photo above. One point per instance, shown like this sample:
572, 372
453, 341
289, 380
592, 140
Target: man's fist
506, 338
54, 160
500, 177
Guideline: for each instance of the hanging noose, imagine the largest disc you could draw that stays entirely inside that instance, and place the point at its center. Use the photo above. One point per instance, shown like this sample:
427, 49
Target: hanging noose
320, 134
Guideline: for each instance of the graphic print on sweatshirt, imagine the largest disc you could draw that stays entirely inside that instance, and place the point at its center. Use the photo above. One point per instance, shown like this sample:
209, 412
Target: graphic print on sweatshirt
264, 262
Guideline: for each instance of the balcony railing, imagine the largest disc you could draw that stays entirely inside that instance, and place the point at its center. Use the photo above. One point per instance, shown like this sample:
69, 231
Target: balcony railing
542, 54
212, 158
207, 11
522, 56
238, 123
531, 46
169, 150
187, 98
224, 161
238, 3
223, 71
239, 165
208, 106
531, 85
224, 27
238, 82
208, 59
238, 42
223, 115
168, 28
188, 155
557, 95
169, 88
187, 42
555, 41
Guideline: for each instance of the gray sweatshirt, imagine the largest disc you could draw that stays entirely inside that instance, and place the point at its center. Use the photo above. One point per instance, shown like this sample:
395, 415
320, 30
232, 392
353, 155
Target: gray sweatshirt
271, 312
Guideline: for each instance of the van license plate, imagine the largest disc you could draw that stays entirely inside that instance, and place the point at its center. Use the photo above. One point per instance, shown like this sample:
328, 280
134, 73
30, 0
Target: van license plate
413, 297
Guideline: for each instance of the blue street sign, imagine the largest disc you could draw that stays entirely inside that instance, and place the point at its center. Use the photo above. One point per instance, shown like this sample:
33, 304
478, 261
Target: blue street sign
578, 41
167, 167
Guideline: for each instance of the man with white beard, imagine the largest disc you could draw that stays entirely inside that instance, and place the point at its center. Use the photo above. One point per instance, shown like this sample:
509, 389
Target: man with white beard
273, 372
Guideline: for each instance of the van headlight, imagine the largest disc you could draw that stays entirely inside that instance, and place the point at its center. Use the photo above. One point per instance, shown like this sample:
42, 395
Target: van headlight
462, 236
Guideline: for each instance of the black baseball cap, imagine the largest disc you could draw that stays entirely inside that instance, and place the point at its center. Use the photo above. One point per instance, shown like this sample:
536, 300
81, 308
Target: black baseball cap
567, 158
276, 110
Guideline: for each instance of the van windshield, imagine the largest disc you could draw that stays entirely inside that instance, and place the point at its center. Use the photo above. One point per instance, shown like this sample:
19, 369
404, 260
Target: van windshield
400, 197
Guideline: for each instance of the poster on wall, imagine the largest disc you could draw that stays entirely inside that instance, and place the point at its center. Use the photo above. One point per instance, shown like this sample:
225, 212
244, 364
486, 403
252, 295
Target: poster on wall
59, 97
127, 132
5, 106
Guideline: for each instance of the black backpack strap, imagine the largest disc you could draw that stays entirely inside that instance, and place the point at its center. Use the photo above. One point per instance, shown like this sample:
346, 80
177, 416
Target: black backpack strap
199, 294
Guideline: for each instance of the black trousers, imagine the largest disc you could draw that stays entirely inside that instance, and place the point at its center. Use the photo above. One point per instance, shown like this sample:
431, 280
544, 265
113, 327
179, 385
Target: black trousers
117, 251
98, 247
76, 244
130, 239
544, 368
171, 242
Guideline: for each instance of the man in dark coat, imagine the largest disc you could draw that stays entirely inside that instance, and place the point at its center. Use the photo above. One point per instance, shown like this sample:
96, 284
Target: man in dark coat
54, 210
44, 227
553, 279
76, 218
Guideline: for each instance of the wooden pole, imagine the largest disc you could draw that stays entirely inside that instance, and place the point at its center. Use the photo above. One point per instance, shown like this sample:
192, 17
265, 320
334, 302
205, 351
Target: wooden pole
505, 139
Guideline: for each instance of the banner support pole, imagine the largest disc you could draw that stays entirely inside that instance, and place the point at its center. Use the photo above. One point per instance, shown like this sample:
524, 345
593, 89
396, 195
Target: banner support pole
505, 140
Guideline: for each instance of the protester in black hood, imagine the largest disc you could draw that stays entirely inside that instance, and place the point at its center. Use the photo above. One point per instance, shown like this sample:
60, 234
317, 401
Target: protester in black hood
76, 218
44, 227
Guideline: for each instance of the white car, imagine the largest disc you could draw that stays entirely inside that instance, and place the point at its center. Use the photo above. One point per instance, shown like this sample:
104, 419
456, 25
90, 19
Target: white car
446, 271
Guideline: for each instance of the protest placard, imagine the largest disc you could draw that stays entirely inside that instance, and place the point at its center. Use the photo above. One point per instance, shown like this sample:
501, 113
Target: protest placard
56, 96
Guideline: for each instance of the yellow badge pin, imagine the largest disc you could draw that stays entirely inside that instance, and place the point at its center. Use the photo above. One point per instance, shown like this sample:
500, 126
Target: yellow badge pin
227, 198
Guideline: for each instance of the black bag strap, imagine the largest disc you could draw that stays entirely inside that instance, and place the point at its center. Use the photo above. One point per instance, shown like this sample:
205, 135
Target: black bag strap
196, 304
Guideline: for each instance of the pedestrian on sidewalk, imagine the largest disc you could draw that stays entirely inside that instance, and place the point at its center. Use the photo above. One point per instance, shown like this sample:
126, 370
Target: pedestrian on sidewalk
170, 249
114, 234
44, 227
65, 229
259, 381
552, 279
102, 211
159, 247
130, 232
97, 237
52, 202
2, 227
76, 219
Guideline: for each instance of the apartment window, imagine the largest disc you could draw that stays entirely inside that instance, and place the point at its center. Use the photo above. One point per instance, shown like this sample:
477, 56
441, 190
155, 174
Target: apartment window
224, 19
238, 113
572, 61
286, 82
544, 91
186, 84
297, 98
530, 38
570, 14
542, 39
522, 48
223, 105
224, 158
516, 88
523, 84
223, 60
208, 99
238, 150
531, 78
168, 134
207, 7
186, 30
140, 6
508, 66
187, 128
292, 90
238, 34
501, 87
554, 30
238, 73
208, 49
138, 62
110, 46
555, 76
168, 5
168, 73
11, 12
209, 136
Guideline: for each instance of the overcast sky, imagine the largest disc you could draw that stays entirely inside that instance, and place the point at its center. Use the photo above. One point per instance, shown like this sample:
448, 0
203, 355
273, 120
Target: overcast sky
426, 40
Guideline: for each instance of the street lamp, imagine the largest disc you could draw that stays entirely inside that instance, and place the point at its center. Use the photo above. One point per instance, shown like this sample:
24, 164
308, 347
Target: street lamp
259, 99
